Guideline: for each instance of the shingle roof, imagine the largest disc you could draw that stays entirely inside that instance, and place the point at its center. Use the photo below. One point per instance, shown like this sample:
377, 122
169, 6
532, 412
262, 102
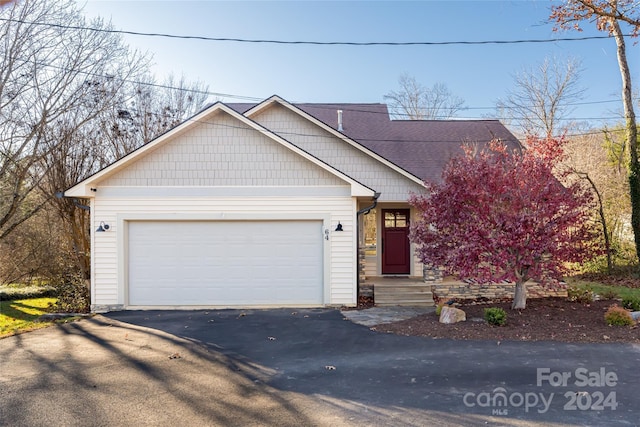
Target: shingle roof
421, 147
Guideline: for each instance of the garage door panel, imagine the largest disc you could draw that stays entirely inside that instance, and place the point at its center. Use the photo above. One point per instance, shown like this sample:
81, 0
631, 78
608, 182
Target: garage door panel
225, 263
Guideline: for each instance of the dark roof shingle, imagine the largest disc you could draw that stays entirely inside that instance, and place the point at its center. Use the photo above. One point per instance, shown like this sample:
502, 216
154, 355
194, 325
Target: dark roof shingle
421, 147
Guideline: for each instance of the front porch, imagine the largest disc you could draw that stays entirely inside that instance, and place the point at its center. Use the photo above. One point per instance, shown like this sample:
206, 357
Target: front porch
390, 270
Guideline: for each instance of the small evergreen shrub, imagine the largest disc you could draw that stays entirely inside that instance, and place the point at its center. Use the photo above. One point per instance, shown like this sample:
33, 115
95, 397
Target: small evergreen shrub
618, 316
439, 308
583, 296
495, 316
631, 303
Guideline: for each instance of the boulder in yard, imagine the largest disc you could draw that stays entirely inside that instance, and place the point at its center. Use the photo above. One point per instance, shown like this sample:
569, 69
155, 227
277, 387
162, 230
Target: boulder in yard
452, 315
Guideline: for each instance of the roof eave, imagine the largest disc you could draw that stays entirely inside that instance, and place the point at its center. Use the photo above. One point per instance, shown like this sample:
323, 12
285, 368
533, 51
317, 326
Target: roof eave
83, 189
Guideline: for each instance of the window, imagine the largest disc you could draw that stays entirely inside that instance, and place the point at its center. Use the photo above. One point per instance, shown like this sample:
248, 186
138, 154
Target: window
397, 219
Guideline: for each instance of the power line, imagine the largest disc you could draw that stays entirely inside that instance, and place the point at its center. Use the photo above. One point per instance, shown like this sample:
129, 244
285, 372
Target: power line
309, 42
342, 106
359, 140
316, 105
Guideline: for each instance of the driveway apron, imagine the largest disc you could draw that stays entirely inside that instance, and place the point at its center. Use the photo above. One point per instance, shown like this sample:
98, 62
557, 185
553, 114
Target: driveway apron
319, 352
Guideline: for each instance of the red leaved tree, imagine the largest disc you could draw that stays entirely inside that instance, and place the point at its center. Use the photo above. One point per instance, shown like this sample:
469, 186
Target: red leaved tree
503, 215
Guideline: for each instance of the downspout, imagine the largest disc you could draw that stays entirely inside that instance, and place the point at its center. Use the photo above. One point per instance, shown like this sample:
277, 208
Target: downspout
363, 211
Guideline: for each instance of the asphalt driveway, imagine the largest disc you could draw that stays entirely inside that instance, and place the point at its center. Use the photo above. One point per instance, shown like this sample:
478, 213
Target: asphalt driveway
303, 367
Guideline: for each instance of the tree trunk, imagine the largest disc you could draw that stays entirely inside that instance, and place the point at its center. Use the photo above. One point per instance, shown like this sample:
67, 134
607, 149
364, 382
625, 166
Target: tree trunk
520, 296
603, 219
631, 133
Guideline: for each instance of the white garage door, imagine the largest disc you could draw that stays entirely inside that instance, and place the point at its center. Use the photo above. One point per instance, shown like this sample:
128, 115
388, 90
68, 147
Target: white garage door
225, 263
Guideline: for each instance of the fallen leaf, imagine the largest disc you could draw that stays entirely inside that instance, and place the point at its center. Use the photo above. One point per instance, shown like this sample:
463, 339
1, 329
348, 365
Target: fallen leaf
330, 368
175, 356
272, 338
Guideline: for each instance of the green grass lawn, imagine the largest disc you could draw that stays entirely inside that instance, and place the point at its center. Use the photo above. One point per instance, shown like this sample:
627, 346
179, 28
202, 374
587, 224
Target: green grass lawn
602, 289
22, 315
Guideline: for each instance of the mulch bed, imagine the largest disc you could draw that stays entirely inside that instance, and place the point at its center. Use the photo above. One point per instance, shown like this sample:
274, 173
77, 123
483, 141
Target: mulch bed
544, 319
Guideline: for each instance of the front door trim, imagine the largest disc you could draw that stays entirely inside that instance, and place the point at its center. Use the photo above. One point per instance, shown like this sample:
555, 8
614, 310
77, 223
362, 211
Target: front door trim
396, 251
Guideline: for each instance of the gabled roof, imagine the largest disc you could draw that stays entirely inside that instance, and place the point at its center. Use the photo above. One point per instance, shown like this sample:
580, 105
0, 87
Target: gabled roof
420, 147
83, 188
295, 108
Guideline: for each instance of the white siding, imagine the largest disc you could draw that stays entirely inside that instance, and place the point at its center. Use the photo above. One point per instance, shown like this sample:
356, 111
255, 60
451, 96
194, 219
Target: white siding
108, 279
339, 154
222, 152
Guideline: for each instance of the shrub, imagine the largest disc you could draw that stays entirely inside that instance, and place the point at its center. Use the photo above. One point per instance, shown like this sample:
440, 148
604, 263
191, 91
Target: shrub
439, 308
583, 296
609, 294
631, 303
495, 316
618, 316
73, 296
11, 293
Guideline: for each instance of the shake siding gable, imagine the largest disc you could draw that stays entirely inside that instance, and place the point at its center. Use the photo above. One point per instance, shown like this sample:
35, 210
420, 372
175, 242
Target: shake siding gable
353, 162
222, 152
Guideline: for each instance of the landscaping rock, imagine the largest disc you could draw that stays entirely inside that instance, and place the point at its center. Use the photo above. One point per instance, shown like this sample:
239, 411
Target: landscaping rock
635, 315
452, 315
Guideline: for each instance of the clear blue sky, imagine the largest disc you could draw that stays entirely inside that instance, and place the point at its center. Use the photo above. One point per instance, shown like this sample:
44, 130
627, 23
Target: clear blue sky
480, 74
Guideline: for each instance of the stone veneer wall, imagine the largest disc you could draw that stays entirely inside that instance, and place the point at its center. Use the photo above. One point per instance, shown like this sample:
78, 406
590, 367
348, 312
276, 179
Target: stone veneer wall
462, 290
432, 274
361, 264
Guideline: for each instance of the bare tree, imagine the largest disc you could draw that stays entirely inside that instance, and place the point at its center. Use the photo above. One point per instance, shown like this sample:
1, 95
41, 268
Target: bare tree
146, 109
49, 75
609, 15
415, 101
596, 158
542, 96
72, 100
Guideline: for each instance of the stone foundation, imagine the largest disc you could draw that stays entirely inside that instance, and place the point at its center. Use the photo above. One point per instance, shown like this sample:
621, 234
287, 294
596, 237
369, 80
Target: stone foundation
462, 290
432, 274
105, 308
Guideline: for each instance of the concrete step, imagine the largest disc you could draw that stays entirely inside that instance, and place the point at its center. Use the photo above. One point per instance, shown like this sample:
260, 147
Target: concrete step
403, 294
387, 291
400, 303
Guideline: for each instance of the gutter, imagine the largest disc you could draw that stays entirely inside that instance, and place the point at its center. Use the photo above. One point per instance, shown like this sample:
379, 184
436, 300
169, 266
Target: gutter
61, 195
363, 211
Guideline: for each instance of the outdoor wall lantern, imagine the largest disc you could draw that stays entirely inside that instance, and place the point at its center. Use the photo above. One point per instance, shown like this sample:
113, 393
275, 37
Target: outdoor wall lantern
103, 226
339, 227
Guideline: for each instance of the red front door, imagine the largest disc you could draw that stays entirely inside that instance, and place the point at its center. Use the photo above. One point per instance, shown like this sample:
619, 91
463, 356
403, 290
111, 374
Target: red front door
395, 241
